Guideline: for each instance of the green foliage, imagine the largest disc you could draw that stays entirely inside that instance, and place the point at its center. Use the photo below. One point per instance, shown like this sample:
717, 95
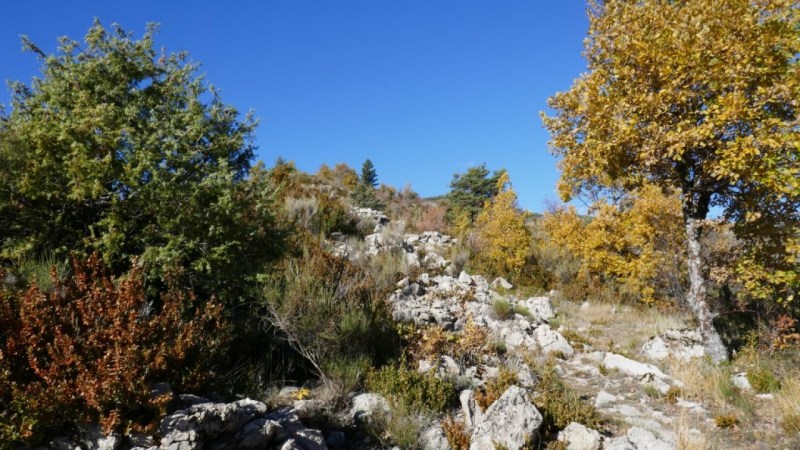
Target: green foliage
330, 311
123, 151
502, 309
559, 404
469, 191
40, 272
763, 380
496, 387
369, 177
416, 391
364, 196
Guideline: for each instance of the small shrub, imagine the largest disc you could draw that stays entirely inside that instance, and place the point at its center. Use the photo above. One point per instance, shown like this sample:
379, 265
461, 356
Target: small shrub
651, 391
330, 311
417, 391
791, 424
575, 338
495, 387
456, 433
672, 395
502, 309
763, 380
726, 420
90, 349
559, 404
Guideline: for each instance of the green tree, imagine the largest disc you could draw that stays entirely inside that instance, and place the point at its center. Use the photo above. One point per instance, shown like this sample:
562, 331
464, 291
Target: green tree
698, 96
364, 192
369, 177
123, 151
469, 191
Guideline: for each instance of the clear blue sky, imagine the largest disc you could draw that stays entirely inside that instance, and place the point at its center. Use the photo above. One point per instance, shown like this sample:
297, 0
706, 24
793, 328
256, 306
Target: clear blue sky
424, 88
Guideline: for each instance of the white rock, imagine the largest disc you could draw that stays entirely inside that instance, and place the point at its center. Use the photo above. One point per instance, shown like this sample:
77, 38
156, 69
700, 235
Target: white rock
540, 308
365, 406
643, 439
618, 443
509, 421
501, 282
679, 344
578, 437
472, 412
603, 399
740, 380
552, 341
433, 438
633, 368
464, 278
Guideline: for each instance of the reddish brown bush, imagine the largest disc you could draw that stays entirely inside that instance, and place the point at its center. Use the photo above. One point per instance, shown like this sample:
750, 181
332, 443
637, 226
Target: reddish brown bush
434, 218
91, 348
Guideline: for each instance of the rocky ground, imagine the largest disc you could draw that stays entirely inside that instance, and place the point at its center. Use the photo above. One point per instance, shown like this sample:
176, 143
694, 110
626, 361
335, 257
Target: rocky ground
628, 363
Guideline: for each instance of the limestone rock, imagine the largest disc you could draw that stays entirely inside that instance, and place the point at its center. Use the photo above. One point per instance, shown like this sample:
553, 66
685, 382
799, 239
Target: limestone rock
578, 437
433, 438
552, 341
501, 282
509, 421
192, 427
472, 411
366, 406
679, 344
740, 380
540, 308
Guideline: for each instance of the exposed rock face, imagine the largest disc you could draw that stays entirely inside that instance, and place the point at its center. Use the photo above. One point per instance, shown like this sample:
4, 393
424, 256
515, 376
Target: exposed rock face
679, 344
244, 424
578, 437
372, 215
509, 421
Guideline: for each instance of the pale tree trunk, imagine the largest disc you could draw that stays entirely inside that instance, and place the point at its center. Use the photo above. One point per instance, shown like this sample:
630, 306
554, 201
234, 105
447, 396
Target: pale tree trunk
697, 293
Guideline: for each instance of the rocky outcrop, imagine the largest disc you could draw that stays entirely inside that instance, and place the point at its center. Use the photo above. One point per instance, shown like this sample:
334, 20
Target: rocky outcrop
244, 424
678, 344
510, 421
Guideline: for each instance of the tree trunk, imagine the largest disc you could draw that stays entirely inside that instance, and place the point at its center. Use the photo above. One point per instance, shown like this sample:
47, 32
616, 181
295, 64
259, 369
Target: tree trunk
697, 293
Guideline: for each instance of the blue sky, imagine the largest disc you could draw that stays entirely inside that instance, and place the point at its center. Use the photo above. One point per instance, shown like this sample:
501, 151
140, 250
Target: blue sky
424, 88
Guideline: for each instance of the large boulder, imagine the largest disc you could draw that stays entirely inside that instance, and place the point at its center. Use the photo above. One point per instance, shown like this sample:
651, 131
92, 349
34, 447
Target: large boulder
510, 421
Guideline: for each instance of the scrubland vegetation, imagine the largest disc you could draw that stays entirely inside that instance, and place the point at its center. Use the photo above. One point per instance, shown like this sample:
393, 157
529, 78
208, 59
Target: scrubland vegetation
140, 244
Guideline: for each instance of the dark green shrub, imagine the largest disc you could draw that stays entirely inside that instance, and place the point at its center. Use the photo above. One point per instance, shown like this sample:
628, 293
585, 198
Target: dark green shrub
417, 391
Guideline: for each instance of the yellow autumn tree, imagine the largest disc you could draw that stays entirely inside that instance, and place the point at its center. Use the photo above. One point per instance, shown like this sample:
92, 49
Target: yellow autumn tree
505, 241
636, 244
700, 96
